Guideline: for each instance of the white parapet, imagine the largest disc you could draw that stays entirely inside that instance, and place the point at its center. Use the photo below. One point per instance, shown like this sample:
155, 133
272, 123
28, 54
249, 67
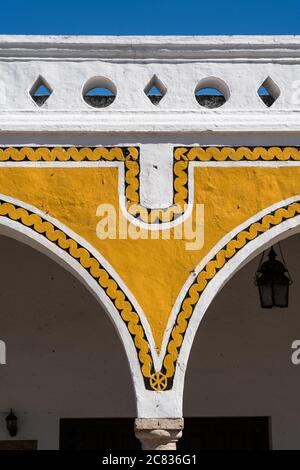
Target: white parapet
238, 65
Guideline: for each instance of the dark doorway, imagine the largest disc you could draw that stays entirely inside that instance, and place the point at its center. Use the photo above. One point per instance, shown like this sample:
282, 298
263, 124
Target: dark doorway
225, 434
98, 434
199, 434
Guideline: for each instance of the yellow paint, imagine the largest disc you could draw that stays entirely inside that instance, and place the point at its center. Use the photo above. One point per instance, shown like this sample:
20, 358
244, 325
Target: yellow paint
210, 270
126, 310
163, 379
154, 270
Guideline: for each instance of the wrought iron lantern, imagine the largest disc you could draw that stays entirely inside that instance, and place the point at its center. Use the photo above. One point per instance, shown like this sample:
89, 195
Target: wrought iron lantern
12, 423
273, 281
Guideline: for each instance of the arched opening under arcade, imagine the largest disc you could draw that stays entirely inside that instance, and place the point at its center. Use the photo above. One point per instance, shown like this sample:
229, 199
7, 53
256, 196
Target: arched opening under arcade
66, 375
241, 386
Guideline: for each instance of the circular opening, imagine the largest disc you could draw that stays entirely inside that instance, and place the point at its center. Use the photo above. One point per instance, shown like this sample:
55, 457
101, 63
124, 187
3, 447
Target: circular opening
99, 92
212, 92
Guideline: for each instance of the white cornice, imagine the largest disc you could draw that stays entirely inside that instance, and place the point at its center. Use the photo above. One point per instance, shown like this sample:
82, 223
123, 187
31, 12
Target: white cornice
152, 48
188, 122
242, 62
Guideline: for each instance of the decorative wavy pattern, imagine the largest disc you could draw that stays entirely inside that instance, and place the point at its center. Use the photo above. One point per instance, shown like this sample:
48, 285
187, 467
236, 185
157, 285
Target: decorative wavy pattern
204, 277
163, 379
130, 157
97, 271
73, 154
235, 154
184, 155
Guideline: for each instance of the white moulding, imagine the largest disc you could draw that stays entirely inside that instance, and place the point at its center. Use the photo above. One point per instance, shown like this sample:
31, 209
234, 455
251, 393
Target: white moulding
148, 123
152, 48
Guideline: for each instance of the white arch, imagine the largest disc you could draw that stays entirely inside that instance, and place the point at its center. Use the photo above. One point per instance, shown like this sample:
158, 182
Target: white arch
27, 235
279, 232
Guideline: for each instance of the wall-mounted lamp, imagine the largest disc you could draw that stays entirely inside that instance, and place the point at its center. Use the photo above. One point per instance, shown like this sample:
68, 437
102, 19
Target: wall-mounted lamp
12, 423
273, 281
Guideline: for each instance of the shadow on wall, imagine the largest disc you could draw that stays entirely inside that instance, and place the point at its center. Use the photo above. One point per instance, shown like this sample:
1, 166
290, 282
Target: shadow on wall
63, 354
240, 363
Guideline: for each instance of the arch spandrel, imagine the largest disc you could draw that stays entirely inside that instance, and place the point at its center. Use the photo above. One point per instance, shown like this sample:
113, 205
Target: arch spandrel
232, 190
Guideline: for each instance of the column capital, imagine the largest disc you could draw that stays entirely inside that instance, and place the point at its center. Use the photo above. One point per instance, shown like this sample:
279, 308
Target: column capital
158, 433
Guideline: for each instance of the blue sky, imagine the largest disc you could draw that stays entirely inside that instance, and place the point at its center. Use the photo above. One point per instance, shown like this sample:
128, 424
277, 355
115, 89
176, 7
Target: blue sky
126, 17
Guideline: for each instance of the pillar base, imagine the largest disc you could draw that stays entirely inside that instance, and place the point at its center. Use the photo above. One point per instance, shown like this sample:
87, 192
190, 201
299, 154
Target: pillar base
158, 433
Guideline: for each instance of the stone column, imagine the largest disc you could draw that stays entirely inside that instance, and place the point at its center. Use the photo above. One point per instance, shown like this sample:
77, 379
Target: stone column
158, 433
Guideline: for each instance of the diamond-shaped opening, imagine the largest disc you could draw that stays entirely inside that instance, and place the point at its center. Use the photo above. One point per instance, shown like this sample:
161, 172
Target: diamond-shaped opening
40, 91
155, 90
99, 92
268, 92
212, 92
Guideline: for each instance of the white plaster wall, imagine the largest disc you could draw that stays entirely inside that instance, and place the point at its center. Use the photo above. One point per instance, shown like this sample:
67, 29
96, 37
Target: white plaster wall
240, 363
67, 79
64, 358
180, 63
56, 382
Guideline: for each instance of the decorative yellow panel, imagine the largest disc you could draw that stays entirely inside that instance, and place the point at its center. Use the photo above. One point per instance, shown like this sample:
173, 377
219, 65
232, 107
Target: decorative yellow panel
232, 184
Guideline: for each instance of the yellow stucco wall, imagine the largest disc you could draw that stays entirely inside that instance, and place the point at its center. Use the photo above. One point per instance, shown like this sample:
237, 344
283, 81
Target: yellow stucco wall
153, 270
